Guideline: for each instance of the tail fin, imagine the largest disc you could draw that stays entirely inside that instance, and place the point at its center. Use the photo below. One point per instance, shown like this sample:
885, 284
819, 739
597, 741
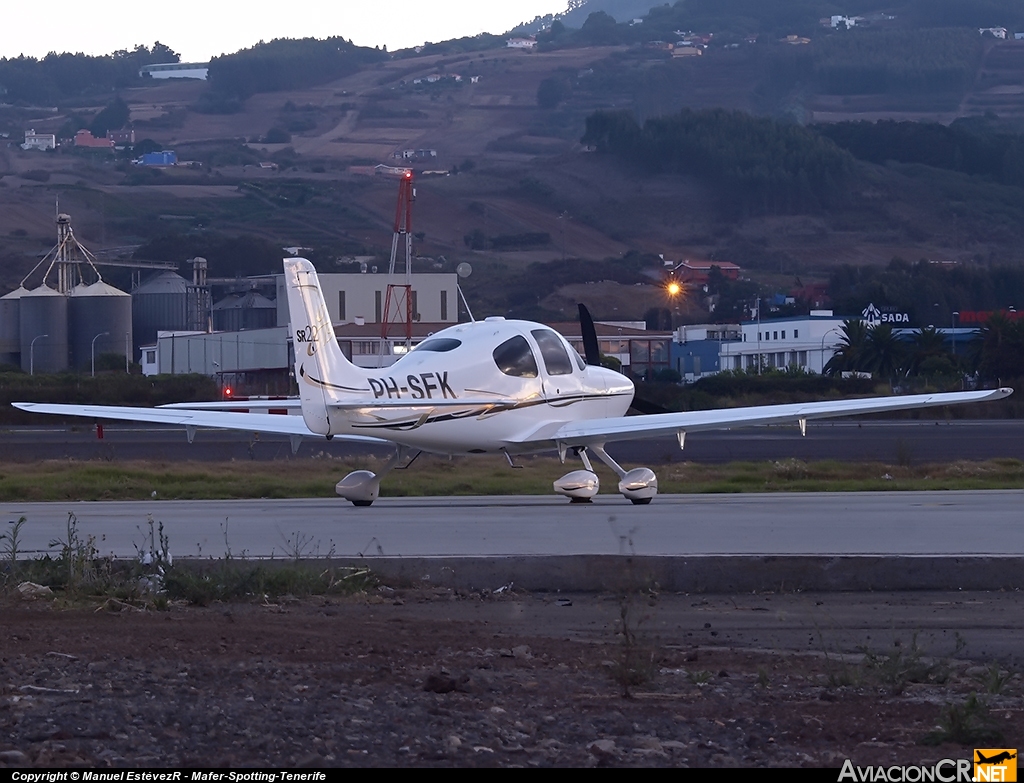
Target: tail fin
322, 372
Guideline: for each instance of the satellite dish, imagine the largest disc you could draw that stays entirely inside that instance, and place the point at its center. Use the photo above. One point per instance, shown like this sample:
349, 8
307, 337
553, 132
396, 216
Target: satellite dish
464, 270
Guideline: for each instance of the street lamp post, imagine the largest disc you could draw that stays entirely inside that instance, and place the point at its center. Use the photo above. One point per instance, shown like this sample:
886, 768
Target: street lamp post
32, 353
92, 350
953, 319
833, 329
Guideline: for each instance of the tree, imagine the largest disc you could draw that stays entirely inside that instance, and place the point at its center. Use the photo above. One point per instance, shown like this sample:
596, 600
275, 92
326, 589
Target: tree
998, 350
163, 54
849, 356
600, 28
551, 92
884, 353
115, 115
277, 136
928, 354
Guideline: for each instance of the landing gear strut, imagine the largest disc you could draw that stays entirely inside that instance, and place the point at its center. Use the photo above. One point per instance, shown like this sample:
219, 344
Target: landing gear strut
639, 485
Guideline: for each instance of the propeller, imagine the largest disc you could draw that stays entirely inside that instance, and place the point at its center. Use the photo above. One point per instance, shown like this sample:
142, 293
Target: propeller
591, 351
592, 355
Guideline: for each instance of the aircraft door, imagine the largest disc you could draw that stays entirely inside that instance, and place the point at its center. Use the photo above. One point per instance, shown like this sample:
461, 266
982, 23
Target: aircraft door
561, 385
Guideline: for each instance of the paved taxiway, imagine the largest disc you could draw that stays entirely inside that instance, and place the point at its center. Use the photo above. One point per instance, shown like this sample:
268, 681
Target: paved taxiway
897, 533
857, 440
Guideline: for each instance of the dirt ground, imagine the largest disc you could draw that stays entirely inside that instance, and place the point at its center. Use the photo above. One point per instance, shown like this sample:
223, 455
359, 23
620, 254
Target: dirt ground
427, 677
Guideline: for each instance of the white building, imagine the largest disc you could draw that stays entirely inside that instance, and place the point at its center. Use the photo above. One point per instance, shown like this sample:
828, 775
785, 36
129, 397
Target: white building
805, 341
361, 298
175, 70
39, 141
217, 353
521, 43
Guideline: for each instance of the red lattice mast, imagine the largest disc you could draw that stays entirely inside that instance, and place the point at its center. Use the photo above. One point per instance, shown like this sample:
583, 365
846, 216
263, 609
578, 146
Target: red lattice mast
398, 302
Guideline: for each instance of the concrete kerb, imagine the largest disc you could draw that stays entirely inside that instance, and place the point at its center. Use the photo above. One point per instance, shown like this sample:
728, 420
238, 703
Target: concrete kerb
701, 574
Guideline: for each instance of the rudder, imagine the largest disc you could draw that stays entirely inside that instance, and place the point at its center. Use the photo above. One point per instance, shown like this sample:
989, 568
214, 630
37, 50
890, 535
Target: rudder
322, 372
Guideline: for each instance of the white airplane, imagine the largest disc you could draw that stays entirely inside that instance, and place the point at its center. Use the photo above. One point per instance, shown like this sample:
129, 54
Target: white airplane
475, 388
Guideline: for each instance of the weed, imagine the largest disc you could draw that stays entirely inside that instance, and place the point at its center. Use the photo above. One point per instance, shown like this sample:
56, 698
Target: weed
635, 664
762, 678
77, 556
905, 665
300, 545
11, 542
970, 723
838, 673
155, 548
994, 678
700, 678
234, 579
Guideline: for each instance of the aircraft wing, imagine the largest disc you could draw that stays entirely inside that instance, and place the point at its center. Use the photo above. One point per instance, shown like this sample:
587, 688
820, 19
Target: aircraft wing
206, 419
596, 431
292, 403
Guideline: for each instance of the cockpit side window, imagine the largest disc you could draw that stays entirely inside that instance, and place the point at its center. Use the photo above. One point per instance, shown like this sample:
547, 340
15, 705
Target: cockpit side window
515, 358
439, 344
556, 360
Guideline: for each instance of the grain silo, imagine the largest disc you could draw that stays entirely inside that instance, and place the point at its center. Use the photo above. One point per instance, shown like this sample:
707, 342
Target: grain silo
239, 312
100, 321
10, 326
161, 303
43, 322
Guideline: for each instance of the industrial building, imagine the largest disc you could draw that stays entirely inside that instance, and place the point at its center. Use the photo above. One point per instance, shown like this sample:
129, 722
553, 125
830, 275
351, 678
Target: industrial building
361, 298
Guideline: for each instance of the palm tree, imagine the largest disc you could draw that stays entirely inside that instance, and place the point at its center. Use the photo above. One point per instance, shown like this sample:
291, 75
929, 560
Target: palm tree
849, 355
930, 358
928, 346
884, 353
998, 350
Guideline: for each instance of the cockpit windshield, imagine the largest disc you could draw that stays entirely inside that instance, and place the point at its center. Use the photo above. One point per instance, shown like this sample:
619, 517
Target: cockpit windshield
515, 358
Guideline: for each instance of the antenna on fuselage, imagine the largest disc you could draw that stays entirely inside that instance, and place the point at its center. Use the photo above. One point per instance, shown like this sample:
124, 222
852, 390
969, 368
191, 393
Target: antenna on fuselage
464, 270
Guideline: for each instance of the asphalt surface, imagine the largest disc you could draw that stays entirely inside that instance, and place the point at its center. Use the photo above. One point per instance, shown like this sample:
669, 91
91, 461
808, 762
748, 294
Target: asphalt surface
778, 524
857, 441
705, 543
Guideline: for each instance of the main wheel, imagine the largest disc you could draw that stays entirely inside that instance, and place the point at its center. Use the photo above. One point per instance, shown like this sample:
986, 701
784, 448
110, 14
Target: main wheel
362, 503
640, 501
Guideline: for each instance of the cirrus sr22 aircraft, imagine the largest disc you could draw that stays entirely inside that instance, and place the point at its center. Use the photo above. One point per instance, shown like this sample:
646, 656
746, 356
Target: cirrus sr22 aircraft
476, 388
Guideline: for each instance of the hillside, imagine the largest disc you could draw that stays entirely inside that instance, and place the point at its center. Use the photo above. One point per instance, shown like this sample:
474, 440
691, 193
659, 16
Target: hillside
522, 189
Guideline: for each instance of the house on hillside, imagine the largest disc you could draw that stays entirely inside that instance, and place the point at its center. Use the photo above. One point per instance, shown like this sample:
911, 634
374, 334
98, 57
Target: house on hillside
995, 32
122, 136
85, 139
521, 43
39, 141
696, 272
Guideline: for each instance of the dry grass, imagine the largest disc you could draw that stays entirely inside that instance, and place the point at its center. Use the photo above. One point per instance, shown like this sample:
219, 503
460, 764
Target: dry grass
100, 480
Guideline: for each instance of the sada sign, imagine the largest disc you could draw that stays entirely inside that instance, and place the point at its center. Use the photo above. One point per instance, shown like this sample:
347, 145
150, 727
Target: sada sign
874, 316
